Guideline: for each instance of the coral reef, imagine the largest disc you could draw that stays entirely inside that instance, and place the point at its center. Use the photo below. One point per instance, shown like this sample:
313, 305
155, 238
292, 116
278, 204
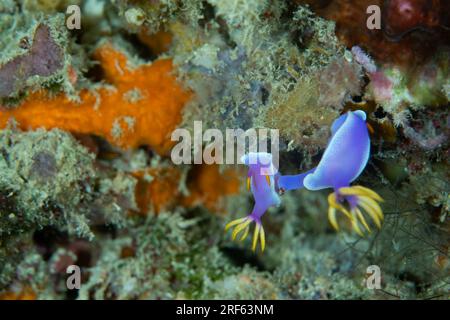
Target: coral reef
270, 68
49, 175
40, 186
411, 51
86, 177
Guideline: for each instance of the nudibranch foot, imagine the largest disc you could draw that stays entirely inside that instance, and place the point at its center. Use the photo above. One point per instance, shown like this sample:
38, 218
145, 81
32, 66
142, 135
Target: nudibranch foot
243, 225
360, 199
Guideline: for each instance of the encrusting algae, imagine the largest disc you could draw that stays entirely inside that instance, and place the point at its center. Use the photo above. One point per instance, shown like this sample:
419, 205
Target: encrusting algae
126, 123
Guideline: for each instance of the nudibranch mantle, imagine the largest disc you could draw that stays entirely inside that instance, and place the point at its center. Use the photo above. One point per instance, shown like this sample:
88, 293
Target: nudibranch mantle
262, 180
343, 161
266, 184
346, 155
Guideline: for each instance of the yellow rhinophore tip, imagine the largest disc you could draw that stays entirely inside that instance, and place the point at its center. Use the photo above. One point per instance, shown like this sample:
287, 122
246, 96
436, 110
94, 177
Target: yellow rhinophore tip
355, 227
239, 228
375, 207
373, 213
243, 224
363, 198
361, 219
233, 223
360, 191
262, 236
268, 180
255, 237
332, 218
332, 201
244, 236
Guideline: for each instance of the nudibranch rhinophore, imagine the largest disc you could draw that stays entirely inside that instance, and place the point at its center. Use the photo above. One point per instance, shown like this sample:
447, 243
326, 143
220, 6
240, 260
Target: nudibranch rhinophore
343, 161
266, 184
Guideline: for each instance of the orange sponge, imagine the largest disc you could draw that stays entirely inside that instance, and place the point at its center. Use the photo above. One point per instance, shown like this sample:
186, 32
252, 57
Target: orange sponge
143, 106
208, 186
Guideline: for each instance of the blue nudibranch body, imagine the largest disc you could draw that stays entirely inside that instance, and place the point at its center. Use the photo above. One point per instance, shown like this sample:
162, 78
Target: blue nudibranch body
343, 161
346, 155
266, 184
261, 181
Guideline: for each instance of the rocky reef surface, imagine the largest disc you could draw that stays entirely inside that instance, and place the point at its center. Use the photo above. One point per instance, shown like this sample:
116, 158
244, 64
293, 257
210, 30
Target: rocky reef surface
86, 117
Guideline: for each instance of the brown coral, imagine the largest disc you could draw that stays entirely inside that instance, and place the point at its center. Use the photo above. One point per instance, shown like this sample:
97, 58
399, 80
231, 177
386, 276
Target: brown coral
404, 16
408, 48
161, 193
158, 42
44, 58
207, 186
142, 108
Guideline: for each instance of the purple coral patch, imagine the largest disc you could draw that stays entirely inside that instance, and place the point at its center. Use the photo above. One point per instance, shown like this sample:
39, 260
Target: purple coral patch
44, 59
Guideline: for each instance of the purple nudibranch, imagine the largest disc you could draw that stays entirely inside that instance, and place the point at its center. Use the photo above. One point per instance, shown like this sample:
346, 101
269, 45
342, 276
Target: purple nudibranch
266, 184
261, 181
344, 159
346, 154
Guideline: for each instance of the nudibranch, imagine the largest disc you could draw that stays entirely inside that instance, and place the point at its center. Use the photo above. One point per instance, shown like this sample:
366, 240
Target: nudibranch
266, 185
343, 161
261, 181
